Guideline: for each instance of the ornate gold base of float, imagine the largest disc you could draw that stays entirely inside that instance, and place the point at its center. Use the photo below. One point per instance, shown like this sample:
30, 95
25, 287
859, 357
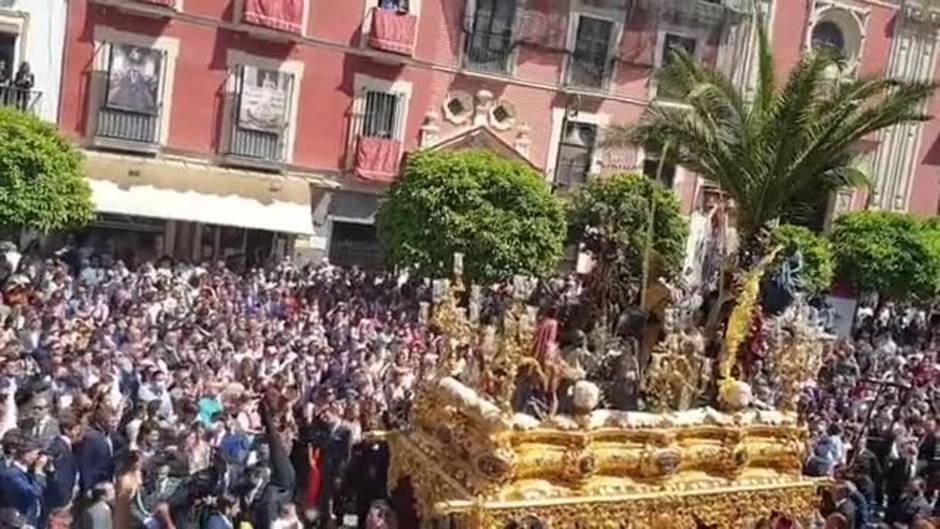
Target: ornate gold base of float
471, 465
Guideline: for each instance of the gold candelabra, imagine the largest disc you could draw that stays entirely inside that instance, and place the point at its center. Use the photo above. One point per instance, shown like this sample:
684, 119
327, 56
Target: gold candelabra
500, 364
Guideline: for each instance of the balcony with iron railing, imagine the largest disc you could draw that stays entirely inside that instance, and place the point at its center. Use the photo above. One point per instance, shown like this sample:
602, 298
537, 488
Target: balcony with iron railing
393, 31
20, 98
126, 130
256, 149
272, 17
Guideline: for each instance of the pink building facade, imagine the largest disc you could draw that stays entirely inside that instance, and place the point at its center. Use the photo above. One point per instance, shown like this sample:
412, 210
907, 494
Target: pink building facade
240, 128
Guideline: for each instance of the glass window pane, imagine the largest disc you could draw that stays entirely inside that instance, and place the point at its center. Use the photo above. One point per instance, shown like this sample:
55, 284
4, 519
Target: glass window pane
489, 44
589, 60
677, 42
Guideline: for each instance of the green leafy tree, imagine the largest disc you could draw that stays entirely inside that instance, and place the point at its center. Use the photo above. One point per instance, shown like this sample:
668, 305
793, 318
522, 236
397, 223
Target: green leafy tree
610, 216
42, 186
818, 269
500, 213
895, 255
779, 152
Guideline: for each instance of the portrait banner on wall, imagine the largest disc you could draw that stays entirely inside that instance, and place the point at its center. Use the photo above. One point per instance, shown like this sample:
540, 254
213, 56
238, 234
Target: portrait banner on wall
264, 98
134, 78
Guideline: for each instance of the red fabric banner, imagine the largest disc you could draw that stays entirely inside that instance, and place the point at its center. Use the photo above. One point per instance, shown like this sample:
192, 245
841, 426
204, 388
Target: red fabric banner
312, 494
377, 159
393, 31
284, 15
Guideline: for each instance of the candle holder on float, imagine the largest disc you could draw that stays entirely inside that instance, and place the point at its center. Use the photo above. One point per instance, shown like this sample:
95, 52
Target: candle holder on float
474, 461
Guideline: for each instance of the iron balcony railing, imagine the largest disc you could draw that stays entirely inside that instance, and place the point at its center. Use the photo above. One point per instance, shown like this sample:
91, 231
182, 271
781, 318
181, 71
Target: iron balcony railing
118, 124
256, 144
20, 98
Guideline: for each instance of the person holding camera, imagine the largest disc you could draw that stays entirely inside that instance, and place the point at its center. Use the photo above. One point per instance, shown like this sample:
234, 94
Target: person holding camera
23, 481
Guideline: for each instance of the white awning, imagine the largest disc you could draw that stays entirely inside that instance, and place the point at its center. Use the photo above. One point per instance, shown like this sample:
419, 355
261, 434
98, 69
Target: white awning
199, 193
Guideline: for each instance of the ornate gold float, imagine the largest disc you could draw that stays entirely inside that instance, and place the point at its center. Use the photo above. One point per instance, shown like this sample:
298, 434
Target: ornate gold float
474, 464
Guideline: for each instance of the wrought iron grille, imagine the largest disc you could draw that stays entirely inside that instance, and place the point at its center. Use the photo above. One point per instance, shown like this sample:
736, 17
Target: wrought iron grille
256, 144
131, 126
19, 98
382, 116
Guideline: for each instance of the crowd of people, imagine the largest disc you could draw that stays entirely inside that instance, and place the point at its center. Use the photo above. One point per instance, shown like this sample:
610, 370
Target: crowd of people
170, 395
149, 396
874, 410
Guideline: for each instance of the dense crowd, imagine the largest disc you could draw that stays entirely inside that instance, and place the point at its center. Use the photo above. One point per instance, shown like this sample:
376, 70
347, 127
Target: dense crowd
169, 395
874, 410
151, 395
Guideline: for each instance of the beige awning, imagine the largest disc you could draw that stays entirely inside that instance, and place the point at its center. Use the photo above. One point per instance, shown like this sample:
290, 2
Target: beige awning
198, 192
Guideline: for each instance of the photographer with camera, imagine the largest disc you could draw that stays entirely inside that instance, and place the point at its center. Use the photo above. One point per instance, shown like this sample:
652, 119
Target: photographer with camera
23, 481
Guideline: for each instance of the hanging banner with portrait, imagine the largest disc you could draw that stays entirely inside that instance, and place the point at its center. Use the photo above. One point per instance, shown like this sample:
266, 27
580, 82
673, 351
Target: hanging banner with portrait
134, 78
265, 95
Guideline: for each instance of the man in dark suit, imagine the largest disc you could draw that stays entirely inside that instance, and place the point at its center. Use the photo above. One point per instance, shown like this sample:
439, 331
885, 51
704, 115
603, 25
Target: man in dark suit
335, 456
64, 476
901, 472
95, 458
22, 483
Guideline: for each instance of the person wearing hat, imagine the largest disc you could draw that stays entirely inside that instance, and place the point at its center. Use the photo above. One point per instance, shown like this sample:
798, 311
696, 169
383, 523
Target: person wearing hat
23, 483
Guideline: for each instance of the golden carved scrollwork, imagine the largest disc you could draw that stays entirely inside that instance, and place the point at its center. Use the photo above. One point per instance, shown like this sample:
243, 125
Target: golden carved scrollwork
466, 458
470, 459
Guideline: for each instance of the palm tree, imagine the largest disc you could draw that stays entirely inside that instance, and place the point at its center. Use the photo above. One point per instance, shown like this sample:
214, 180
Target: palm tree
782, 150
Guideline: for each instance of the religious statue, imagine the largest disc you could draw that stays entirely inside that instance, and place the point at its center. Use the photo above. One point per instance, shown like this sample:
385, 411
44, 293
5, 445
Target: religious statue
784, 285
549, 366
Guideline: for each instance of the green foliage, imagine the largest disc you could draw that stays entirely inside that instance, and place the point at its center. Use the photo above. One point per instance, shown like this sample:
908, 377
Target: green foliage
41, 181
610, 217
775, 152
893, 254
500, 213
817, 272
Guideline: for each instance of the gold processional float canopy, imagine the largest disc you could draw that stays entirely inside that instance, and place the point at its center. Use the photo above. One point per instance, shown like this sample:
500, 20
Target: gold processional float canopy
472, 462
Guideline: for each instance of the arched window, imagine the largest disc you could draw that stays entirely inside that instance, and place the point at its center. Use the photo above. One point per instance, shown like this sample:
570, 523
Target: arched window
829, 36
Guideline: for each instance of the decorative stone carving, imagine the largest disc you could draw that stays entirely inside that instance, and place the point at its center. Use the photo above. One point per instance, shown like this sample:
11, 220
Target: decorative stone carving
502, 115
429, 129
523, 142
483, 107
458, 107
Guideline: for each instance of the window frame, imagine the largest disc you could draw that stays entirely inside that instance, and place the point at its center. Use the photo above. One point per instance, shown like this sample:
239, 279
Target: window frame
363, 83
469, 23
104, 37
591, 153
238, 59
701, 40
616, 35
559, 116
393, 126
369, 6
